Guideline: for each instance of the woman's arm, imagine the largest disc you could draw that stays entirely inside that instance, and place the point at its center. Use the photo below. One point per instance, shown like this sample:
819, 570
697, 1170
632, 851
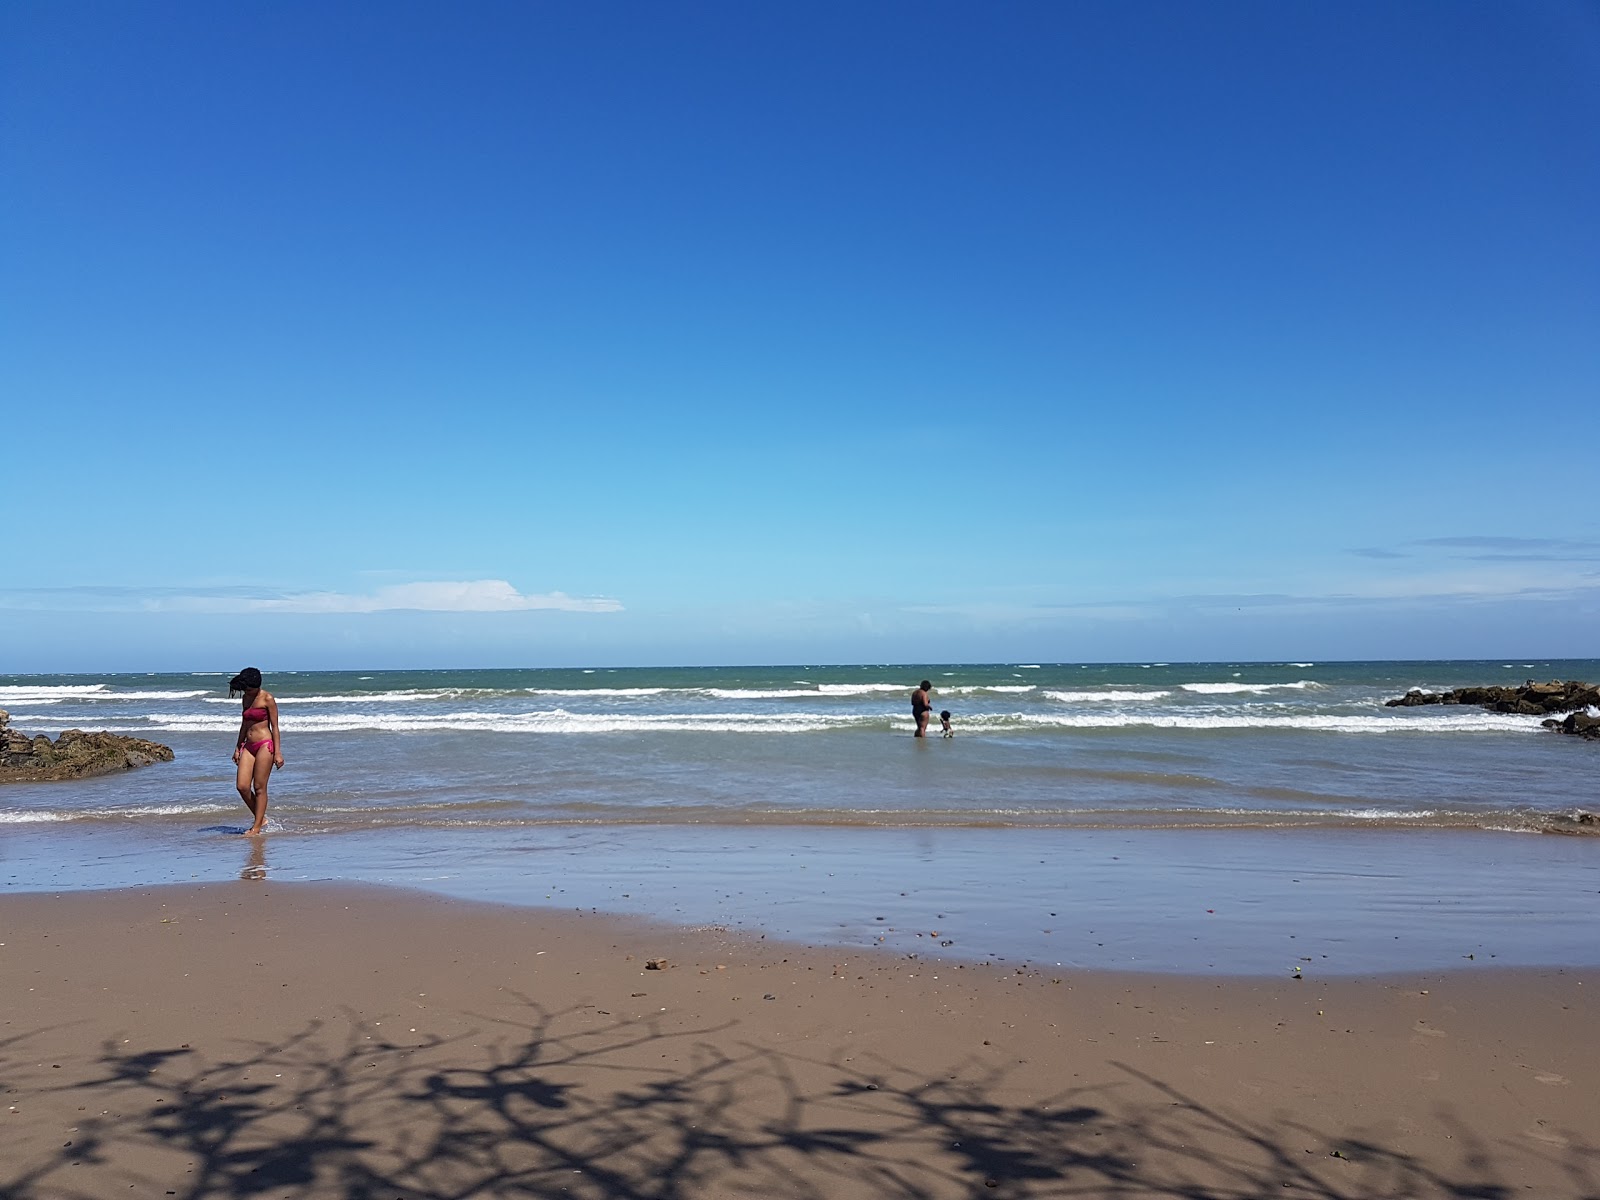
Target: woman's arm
277, 731
244, 727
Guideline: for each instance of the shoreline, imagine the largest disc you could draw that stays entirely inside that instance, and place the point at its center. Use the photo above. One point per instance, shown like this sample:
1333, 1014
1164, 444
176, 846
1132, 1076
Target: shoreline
1220, 902
311, 1039
734, 940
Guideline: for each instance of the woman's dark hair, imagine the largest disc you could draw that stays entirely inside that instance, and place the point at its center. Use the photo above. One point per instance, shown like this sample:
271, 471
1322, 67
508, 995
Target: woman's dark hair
247, 680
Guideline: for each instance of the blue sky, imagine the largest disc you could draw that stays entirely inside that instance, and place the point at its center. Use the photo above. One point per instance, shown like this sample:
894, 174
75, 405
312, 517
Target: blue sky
524, 334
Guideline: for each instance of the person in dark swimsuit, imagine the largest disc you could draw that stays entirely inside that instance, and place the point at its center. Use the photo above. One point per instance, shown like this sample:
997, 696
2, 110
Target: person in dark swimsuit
921, 706
259, 746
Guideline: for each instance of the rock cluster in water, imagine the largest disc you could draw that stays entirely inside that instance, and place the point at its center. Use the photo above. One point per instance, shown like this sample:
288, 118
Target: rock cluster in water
1579, 723
1531, 700
73, 755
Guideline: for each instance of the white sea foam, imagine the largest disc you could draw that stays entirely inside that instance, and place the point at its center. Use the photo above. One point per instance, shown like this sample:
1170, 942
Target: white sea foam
1386, 814
1062, 710
1478, 723
1353, 814
556, 720
38, 816
53, 689
45, 694
1225, 689
401, 697
419, 695
979, 689
165, 810
1301, 665
834, 690
635, 691
1027, 666
1076, 697
14, 817
762, 693
190, 695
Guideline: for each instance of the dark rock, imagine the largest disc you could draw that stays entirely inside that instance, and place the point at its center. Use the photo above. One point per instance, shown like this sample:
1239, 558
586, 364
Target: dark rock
1530, 700
73, 755
1415, 697
1579, 724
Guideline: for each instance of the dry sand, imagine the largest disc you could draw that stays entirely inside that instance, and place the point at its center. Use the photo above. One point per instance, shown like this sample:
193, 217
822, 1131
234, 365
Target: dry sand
263, 1039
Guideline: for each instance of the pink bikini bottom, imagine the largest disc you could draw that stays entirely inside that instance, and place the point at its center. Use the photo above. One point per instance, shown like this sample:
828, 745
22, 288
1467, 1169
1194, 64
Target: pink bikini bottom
254, 746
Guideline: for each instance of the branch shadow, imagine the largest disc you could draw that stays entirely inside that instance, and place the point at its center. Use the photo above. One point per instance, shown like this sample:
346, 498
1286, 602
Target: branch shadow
560, 1103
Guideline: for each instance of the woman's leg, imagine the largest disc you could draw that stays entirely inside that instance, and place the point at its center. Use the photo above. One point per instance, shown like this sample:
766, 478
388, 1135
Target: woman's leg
263, 772
246, 781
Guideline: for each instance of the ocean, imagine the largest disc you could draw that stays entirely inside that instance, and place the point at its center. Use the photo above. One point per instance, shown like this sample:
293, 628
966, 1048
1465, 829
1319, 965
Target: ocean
1078, 812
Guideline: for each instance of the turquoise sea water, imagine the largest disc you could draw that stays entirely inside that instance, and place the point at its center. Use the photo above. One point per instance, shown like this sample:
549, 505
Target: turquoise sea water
793, 799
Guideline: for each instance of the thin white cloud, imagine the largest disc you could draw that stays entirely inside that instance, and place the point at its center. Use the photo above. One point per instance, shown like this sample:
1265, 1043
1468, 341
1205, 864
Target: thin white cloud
463, 596
1494, 549
1443, 594
456, 596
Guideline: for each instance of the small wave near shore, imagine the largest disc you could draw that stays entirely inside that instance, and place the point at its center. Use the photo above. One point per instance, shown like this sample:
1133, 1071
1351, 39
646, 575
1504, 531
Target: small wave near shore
1194, 746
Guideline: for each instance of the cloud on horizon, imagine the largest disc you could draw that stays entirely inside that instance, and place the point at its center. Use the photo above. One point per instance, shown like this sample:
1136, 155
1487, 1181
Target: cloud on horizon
1494, 549
1414, 594
453, 596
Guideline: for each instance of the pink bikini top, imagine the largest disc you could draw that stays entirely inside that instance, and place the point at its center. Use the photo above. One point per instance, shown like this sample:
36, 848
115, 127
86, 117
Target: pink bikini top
255, 714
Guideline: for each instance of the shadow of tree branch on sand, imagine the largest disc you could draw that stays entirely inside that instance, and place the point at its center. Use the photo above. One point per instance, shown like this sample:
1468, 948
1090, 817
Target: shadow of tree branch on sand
565, 1103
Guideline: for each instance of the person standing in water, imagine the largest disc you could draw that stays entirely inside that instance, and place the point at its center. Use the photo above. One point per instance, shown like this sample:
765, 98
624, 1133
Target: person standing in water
259, 747
921, 706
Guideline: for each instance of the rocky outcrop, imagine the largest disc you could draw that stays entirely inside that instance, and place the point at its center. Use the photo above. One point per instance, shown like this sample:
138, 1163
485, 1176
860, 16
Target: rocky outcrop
73, 755
1530, 700
1579, 724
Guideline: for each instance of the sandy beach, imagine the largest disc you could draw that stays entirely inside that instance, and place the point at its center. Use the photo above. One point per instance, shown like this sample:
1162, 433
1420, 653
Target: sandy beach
891, 601
261, 1038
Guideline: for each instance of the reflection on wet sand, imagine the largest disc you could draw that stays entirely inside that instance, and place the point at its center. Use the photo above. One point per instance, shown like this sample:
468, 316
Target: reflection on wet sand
256, 867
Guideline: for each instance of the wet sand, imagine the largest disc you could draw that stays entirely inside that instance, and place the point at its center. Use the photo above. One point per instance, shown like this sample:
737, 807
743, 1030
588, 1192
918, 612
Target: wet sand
1225, 902
298, 1040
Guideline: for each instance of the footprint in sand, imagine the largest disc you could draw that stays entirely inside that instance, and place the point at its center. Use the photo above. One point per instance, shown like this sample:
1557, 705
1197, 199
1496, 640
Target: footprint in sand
1425, 1031
1553, 1079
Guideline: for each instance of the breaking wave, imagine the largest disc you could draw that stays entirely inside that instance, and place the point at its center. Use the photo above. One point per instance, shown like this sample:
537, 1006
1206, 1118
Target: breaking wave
1075, 697
562, 721
1228, 689
89, 692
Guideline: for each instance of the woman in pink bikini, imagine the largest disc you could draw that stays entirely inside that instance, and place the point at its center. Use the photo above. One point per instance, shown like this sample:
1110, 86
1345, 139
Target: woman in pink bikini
260, 744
